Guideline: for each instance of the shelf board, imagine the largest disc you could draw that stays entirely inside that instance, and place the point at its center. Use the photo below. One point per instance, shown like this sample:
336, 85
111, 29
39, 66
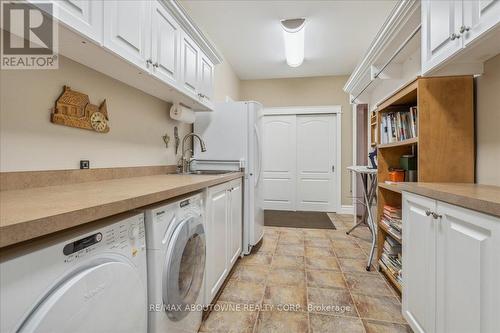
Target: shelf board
384, 228
390, 187
398, 143
389, 276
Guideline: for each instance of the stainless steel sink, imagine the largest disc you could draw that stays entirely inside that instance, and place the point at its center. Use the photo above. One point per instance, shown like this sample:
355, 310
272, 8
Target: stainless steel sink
211, 172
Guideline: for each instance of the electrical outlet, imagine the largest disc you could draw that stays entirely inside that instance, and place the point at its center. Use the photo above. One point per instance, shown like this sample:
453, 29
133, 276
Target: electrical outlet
84, 164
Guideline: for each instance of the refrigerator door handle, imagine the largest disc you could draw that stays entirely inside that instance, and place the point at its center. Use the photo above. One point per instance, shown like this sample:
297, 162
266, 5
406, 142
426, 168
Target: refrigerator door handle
257, 135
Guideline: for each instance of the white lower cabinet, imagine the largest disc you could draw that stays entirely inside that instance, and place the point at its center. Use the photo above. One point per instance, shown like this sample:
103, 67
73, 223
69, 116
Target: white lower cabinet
451, 267
223, 227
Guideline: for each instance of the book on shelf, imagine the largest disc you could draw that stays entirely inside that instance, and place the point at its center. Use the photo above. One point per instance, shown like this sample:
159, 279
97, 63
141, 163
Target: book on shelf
391, 258
399, 125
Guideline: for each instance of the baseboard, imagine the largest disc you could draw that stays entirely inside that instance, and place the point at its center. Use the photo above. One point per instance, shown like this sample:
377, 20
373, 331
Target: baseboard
346, 209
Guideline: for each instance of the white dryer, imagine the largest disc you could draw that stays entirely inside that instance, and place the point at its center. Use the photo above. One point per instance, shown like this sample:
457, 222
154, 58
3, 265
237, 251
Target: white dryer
90, 279
176, 265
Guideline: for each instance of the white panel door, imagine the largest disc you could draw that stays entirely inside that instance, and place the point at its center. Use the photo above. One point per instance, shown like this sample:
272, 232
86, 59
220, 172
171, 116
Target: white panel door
479, 16
217, 239
468, 271
316, 142
419, 261
206, 79
441, 38
165, 50
236, 221
82, 16
279, 162
127, 30
190, 65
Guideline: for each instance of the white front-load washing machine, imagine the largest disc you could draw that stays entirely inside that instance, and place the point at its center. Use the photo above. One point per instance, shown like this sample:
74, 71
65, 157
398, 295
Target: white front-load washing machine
89, 279
176, 265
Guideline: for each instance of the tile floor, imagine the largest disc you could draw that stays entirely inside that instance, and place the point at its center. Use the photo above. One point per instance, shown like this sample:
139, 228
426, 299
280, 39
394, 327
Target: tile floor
319, 274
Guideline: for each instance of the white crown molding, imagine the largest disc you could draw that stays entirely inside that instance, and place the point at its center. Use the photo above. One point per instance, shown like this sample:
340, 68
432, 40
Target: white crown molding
395, 25
193, 31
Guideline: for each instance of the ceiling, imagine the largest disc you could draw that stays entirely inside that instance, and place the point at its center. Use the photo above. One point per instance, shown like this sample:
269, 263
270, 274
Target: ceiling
249, 35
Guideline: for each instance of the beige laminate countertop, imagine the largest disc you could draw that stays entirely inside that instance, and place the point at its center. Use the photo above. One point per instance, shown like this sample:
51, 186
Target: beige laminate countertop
30, 213
481, 198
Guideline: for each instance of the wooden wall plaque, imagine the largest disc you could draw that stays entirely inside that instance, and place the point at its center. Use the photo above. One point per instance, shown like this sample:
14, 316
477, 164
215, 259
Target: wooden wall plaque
73, 109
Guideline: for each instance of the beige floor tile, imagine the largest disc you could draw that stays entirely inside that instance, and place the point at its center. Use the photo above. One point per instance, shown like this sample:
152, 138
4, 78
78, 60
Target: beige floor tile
282, 322
251, 273
292, 231
373, 326
268, 245
318, 242
225, 320
286, 276
337, 234
256, 259
335, 324
325, 279
280, 295
344, 243
378, 307
291, 239
316, 233
296, 262
368, 284
319, 252
290, 250
356, 265
355, 253
242, 292
329, 263
331, 302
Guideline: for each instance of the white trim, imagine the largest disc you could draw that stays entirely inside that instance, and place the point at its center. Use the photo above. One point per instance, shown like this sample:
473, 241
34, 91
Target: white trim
303, 110
346, 209
338, 160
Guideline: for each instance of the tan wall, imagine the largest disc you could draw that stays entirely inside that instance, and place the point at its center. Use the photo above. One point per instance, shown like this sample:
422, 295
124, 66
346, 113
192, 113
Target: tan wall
29, 141
488, 123
227, 83
311, 91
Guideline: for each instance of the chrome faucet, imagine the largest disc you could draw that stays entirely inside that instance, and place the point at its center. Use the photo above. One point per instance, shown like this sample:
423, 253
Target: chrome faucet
184, 163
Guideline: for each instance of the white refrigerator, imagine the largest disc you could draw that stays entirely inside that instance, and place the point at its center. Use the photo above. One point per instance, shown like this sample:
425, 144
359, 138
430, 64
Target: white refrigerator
233, 137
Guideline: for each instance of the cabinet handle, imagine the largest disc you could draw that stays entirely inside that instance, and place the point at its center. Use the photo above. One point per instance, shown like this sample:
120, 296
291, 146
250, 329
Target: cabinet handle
428, 212
464, 28
436, 216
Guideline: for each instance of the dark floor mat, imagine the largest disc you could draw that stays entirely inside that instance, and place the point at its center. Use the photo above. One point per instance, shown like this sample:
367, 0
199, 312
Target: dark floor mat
281, 218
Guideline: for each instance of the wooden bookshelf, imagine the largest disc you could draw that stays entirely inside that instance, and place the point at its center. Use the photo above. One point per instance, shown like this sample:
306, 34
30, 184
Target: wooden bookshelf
444, 146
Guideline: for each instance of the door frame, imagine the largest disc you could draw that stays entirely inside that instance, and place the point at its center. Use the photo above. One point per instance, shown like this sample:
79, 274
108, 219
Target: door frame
335, 110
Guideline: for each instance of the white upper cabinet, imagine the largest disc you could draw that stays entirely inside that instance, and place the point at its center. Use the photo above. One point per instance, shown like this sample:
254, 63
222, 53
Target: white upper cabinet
127, 30
84, 16
190, 65
479, 17
450, 26
206, 79
441, 38
165, 42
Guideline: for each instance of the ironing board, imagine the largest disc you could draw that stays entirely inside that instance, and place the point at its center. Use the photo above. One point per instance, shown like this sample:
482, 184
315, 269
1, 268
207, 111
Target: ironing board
368, 176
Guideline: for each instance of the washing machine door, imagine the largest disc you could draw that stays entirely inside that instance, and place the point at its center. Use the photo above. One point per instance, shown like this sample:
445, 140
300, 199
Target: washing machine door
92, 299
184, 268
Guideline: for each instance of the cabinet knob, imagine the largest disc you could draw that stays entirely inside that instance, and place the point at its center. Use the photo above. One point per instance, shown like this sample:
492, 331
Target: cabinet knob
156, 65
149, 61
436, 216
454, 36
428, 212
464, 28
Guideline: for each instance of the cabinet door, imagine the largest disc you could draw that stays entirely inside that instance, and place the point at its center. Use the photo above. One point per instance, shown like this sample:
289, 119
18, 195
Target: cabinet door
217, 235
84, 16
479, 16
468, 271
206, 79
165, 44
127, 30
441, 38
236, 221
419, 255
190, 65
